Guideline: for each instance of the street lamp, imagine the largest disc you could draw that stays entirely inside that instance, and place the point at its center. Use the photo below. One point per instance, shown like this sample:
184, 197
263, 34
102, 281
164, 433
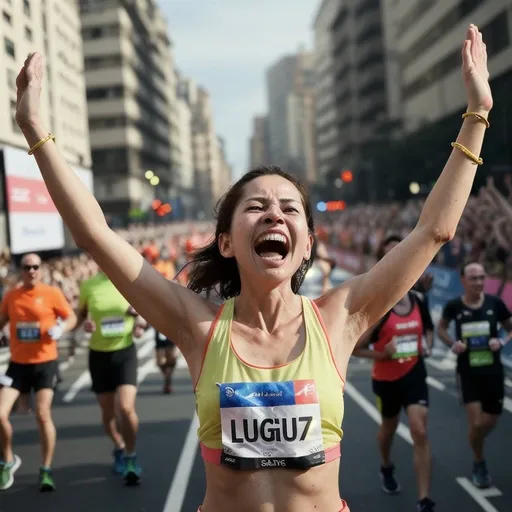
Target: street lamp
414, 188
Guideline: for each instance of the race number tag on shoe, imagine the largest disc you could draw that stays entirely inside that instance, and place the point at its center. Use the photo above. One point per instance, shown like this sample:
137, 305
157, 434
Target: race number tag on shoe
28, 332
406, 346
271, 425
476, 335
112, 326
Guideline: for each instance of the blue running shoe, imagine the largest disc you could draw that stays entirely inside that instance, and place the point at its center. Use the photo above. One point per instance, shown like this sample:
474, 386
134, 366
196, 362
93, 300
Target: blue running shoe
133, 471
119, 462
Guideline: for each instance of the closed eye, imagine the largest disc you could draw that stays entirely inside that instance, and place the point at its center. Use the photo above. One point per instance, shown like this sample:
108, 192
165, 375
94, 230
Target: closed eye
254, 208
294, 210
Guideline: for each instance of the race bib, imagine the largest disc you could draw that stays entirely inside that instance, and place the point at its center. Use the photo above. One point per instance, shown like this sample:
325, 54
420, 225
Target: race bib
476, 335
113, 326
271, 425
406, 346
28, 332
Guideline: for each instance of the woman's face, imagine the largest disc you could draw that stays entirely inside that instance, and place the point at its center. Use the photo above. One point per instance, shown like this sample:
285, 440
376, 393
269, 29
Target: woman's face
269, 233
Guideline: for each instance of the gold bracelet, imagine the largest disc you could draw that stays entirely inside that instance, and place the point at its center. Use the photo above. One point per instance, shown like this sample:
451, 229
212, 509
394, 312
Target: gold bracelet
471, 156
41, 142
478, 116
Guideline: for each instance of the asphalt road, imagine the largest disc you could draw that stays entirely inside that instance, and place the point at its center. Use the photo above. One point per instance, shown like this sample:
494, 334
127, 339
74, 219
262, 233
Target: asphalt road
173, 477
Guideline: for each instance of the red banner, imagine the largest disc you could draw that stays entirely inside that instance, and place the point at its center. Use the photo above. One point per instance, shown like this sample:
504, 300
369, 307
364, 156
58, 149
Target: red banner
28, 196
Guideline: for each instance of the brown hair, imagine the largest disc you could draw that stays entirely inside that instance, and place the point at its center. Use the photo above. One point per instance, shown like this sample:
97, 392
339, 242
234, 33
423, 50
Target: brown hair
210, 269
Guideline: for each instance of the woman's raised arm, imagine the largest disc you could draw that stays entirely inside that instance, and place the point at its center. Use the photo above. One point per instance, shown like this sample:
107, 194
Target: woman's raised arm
172, 309
372, 294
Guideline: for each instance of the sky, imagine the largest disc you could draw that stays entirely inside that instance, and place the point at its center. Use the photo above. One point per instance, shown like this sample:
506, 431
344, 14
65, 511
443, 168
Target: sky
226, 46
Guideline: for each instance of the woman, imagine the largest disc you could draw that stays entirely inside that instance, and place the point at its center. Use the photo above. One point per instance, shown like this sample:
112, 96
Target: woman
277, 360
399, 379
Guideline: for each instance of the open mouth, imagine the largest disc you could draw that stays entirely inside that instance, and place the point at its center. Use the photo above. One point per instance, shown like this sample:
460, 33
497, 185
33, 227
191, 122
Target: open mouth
272, 246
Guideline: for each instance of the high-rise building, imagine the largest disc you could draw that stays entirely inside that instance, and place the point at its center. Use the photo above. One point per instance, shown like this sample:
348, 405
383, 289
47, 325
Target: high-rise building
226, 170
301, 121
429, 37
259, 142
131, 99
53, 28
280, 80
360, 78
291, 119
208, 170
327, 135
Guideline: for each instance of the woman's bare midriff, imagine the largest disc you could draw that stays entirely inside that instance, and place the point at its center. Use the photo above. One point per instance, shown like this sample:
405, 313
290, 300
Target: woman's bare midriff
272, 490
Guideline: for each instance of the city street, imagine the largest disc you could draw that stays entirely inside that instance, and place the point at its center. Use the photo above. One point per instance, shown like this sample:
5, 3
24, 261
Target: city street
173, 477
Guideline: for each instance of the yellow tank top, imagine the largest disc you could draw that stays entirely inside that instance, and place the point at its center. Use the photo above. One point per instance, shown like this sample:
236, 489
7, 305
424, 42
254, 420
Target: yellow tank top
255, 417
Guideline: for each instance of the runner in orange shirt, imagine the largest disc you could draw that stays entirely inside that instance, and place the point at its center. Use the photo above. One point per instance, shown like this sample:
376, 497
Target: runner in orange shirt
33, 311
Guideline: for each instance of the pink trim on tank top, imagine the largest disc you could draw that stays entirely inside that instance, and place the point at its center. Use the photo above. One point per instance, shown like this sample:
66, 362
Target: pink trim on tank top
213, 455
344, 507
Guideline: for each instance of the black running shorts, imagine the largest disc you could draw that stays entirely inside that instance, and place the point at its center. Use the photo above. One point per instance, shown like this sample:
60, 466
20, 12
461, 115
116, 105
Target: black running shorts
109, 370
411, 389
489, 390
36, 376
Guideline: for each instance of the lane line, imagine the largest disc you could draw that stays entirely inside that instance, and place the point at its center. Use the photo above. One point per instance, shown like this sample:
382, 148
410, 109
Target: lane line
477, 495
372, 411
179, 485
146, 369
508, 383
435, 383
507, 404
84, 379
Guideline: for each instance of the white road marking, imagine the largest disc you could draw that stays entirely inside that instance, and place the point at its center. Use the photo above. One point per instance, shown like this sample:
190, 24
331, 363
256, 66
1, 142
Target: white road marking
146, 369
480, 496
508, 383
83, 380
507, 404
435, 383
179, 485
402, 430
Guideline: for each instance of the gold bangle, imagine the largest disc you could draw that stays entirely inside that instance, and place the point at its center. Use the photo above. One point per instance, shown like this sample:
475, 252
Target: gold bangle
465, 150
481, 118
41, 142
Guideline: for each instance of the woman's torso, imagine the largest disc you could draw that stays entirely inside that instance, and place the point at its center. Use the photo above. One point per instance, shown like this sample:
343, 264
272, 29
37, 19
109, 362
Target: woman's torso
311, 373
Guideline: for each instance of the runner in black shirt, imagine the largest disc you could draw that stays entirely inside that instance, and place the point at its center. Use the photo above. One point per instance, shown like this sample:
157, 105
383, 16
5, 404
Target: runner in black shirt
480, 372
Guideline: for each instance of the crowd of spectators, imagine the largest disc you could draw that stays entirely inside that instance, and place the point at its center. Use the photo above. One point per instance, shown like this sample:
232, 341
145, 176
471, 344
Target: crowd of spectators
484, 233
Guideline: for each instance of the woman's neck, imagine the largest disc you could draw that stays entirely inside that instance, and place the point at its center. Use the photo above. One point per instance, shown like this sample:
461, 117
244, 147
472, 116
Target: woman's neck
267, 310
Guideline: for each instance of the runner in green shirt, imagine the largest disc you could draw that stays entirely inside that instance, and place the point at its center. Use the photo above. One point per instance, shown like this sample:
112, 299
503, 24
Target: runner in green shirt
112, 323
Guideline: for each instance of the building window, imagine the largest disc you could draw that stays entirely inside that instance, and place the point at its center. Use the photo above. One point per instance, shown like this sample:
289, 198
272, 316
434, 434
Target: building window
26, 7
11, 79
28, 34
497, 38
14, 124
9, 47
7, 17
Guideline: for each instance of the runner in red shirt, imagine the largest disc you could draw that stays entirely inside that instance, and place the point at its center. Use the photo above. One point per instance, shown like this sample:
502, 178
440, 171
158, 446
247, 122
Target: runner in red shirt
399, 380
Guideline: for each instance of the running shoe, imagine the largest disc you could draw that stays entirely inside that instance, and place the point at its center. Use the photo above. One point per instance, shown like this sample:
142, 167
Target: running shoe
387, 477
46, 483
133, 471
481, 477
7, 470
425, 505
119, 466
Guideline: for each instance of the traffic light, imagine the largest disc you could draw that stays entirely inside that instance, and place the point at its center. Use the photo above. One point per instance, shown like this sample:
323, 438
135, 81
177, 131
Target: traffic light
335, 206
160, 208
347, 176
